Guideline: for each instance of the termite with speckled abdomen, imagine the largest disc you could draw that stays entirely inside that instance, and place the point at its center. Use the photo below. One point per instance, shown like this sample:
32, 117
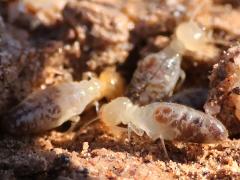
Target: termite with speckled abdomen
167, 121
158, 73
49, 108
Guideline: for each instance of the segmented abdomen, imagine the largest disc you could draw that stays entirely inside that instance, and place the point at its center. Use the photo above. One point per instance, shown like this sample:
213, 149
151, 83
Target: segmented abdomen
49, 108
187, 124
35, 114
154, 78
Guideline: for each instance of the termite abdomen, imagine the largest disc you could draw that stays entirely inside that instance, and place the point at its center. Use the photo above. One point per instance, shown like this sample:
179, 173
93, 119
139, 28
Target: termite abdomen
190, 125
35, 114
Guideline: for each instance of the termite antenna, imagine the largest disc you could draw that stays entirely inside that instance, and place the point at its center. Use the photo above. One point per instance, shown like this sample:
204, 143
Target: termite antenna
86, 125
197, 10
90, 122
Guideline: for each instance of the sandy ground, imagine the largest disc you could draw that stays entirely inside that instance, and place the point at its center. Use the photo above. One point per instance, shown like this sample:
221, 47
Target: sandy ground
93, 153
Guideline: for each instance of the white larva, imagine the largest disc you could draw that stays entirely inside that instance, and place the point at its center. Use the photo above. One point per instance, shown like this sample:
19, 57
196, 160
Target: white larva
168, 121
49, 108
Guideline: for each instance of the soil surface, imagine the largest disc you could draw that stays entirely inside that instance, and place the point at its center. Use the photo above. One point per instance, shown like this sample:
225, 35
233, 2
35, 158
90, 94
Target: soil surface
92, 153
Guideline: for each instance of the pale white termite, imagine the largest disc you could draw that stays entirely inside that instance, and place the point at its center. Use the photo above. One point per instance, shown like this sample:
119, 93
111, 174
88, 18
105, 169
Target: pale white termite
167, 121
49, 108
157, 74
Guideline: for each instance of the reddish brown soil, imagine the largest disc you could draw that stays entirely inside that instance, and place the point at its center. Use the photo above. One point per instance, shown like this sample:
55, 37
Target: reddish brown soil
62, 52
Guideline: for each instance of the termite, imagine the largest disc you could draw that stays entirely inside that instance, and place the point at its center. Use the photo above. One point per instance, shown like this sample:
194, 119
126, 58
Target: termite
167, 121
157, 74
49, 108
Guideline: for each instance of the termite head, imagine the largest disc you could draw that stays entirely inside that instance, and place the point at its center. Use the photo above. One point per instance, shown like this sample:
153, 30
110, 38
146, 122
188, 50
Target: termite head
191, 35
113, 84
115, 112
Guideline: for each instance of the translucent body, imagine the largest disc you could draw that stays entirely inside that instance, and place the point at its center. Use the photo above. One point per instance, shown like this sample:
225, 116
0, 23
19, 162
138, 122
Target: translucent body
157, 74
168, 121
49, 108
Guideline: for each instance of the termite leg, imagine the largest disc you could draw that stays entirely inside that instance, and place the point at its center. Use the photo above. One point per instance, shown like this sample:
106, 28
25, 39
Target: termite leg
96, 104
90, 122
182, 77
181, 81
164, 148
129, 132
138, 131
